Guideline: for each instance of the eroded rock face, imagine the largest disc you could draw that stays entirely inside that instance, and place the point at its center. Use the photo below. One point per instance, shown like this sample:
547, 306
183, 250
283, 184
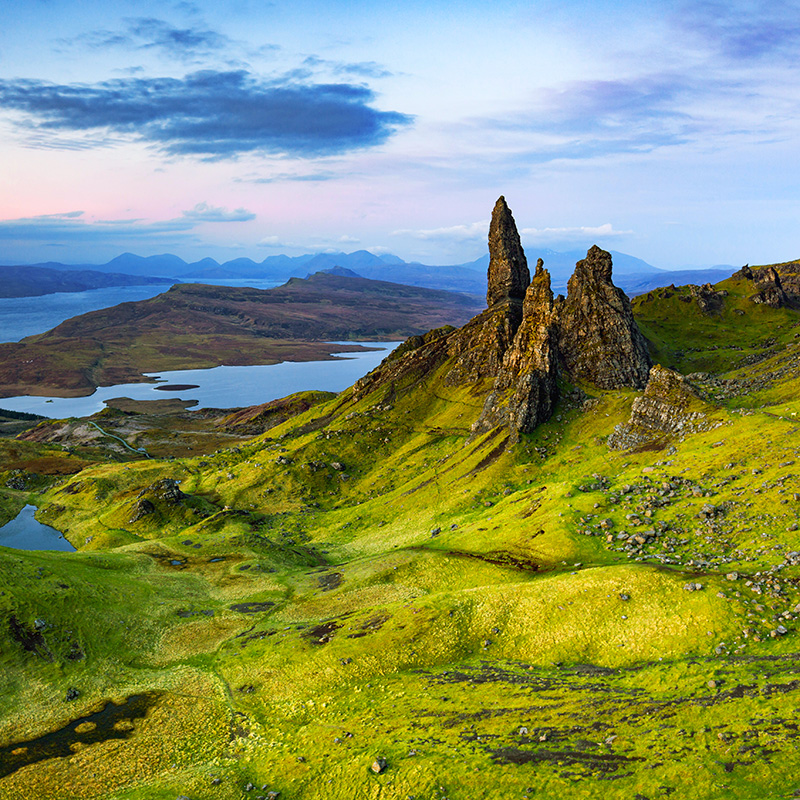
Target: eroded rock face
768, 285
526, 387
508, 267
598, 339
664, 408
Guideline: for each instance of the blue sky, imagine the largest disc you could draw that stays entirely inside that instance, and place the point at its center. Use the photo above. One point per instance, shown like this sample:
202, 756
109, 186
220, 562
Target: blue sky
666, 130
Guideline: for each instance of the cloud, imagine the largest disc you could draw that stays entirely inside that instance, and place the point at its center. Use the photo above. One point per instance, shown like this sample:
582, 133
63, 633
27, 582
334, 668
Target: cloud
150, 33
364, 69
280, 177
274, 241
477, 231
744, 31
209, 113
605, 231
203, 212
455, 233
70, 228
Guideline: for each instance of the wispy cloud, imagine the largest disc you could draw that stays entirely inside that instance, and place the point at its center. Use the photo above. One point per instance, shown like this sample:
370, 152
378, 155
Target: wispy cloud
211, 114
363, 69
282, 177
150, 33
455, 233
579, 234
744, 31
203, 212
70, 227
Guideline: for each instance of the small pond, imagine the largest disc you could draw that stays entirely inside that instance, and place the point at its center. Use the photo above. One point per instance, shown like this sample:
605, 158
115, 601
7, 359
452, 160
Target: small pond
24, 532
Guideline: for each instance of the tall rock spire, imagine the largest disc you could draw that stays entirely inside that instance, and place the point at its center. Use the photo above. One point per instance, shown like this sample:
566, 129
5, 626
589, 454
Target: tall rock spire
508, 267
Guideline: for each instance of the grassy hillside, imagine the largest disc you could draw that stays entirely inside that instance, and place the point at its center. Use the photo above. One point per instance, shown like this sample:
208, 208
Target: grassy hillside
367, 580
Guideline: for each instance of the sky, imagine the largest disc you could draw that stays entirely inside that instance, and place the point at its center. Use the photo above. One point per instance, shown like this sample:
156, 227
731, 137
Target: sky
667, 130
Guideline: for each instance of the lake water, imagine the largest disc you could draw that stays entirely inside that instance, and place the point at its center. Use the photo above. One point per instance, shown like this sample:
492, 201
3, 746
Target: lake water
24, 532
27, 316
220, 387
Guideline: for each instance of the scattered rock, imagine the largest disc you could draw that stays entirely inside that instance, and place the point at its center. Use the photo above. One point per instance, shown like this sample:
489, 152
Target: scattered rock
379, 765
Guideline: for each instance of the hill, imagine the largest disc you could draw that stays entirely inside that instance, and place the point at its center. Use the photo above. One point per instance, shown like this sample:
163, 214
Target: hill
196, 326
521, 558
35, 281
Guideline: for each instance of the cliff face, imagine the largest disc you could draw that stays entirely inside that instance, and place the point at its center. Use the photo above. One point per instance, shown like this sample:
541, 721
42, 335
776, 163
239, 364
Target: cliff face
508, 267
669, 406
590, 336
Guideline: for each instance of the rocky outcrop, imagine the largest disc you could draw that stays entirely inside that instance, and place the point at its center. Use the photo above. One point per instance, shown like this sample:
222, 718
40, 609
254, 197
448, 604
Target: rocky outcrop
511, 355
598, 339
768, 285
526, 387
665, 408
508, 267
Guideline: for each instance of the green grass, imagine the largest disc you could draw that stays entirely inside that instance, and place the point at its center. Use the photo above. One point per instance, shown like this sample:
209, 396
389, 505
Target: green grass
479, 614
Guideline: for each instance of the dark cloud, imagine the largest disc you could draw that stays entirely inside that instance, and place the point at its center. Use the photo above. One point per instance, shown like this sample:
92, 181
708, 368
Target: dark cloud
209, 113
745, 31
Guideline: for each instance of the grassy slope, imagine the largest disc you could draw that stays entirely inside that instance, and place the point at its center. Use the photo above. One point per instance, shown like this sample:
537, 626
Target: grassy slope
496, 657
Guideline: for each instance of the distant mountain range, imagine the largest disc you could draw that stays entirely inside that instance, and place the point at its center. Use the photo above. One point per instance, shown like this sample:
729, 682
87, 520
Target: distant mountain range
632, 274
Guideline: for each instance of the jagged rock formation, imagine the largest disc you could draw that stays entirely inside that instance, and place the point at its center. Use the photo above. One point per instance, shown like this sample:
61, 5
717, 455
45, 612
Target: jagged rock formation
513, 352
598, 339
526, 388
663, 409
769, 288
508, 267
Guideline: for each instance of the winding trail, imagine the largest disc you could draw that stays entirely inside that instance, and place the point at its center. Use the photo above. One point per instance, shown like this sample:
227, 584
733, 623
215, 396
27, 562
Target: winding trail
139, 450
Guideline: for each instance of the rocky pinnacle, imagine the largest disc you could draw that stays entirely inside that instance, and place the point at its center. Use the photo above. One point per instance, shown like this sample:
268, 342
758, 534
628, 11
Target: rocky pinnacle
508, 267
598, 339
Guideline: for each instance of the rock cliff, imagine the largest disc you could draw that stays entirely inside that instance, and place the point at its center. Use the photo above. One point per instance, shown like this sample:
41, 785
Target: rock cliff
669, 406
479, 347
598, 339
508, 267
768, 285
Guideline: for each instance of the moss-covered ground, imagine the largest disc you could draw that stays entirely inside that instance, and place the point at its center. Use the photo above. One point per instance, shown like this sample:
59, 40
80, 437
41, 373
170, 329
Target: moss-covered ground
550, 619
